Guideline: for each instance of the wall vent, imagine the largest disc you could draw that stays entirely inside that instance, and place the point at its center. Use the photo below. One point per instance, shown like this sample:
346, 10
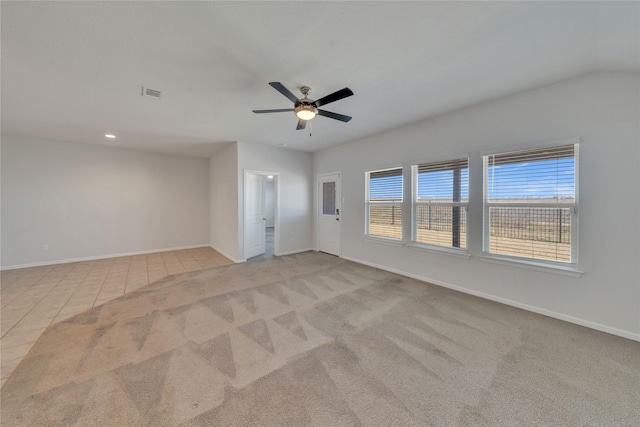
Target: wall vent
151, 92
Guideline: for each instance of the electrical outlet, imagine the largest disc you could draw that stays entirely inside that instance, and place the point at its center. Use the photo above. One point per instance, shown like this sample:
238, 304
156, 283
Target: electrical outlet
45, 248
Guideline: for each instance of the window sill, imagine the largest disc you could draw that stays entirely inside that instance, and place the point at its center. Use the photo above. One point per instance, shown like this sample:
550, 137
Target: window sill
384, 240
533, 265
460, 253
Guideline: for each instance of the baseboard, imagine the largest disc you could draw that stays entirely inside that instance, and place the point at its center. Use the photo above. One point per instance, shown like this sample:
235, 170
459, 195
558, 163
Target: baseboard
297, 251
560, 316
226, 255
244, 260
93, 258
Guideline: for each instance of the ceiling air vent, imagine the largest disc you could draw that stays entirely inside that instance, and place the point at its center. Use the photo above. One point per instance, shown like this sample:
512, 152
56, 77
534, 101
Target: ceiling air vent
151, 92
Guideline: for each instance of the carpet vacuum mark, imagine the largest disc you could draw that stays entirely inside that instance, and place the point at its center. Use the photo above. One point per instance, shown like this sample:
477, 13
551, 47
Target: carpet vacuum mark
310, 339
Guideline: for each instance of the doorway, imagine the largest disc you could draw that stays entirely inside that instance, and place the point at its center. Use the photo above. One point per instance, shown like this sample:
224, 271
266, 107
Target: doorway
329, 227
260, 215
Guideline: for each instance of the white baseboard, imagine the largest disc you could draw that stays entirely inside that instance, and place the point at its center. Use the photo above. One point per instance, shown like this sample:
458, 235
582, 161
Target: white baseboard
226, 255
297, 251
236, 260
93, 258
560, 316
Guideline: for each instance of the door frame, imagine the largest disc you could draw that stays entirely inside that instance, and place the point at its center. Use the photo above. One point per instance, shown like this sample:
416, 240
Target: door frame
276, 209
318, 205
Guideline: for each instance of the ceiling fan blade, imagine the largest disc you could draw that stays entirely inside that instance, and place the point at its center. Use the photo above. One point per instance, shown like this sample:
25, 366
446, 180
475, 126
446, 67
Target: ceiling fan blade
301, 124
336, 116
283, 90
335, 96
281, 110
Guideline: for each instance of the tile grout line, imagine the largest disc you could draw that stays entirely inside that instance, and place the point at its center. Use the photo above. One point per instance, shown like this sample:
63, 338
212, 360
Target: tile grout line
82, 283
91, 268
198, 262
76, 288
147, 270
180, 261
49, 270
165, 263
30, 286
34, 306
93, 304
40, 300
149, 274
126, 281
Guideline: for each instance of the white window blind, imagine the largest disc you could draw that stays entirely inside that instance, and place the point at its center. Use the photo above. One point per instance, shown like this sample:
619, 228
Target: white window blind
530, 204
440, 200
384, 203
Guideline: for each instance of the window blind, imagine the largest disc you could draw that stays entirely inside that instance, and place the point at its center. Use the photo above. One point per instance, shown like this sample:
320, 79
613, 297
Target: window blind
384, 203
530, 203
526, 176
443, 181
385, 185
440, 194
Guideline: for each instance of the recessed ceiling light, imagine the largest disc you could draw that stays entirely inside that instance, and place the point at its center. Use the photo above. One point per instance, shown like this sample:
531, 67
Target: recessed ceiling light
108, 135
270, 176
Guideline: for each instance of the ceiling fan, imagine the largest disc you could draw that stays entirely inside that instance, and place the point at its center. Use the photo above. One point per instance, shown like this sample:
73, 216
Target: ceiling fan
306, 109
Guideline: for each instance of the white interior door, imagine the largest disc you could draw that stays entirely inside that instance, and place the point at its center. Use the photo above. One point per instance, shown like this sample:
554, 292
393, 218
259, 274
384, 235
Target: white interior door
329, 214
254, 238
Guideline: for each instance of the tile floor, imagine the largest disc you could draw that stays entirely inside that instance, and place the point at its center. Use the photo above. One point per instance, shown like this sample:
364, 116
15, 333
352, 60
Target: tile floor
34, 298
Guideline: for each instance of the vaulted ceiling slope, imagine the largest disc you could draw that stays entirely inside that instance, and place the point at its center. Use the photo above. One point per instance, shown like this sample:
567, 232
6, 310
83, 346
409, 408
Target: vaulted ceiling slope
74, 70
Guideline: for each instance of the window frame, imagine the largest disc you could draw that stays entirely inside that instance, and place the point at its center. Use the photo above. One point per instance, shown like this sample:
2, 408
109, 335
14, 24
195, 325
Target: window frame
369, 203
574, 210
415, 204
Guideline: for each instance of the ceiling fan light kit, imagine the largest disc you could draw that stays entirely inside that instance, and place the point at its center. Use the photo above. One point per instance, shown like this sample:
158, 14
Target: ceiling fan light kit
306, 109
305, 112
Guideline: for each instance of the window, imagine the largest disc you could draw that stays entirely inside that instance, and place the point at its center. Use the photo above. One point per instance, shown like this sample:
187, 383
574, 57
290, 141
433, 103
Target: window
440, 198
329, 198
530, 204
384, 203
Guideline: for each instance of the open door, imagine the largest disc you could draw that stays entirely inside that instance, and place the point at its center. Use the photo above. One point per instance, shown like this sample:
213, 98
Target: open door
254, 215
329, 228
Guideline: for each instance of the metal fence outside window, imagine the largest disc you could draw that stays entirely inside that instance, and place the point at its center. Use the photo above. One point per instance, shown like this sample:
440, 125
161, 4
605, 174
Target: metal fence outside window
439, 218
537, 224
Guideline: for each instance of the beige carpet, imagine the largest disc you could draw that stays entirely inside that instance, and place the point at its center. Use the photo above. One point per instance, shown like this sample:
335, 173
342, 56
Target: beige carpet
311, 339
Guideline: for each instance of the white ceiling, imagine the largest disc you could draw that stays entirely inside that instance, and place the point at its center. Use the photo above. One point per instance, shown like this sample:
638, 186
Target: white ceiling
74, 70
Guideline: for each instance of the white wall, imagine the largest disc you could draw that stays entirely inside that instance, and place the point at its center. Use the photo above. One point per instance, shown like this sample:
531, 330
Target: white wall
268, 202
223, 199
89, 201
295, 192
602, 109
